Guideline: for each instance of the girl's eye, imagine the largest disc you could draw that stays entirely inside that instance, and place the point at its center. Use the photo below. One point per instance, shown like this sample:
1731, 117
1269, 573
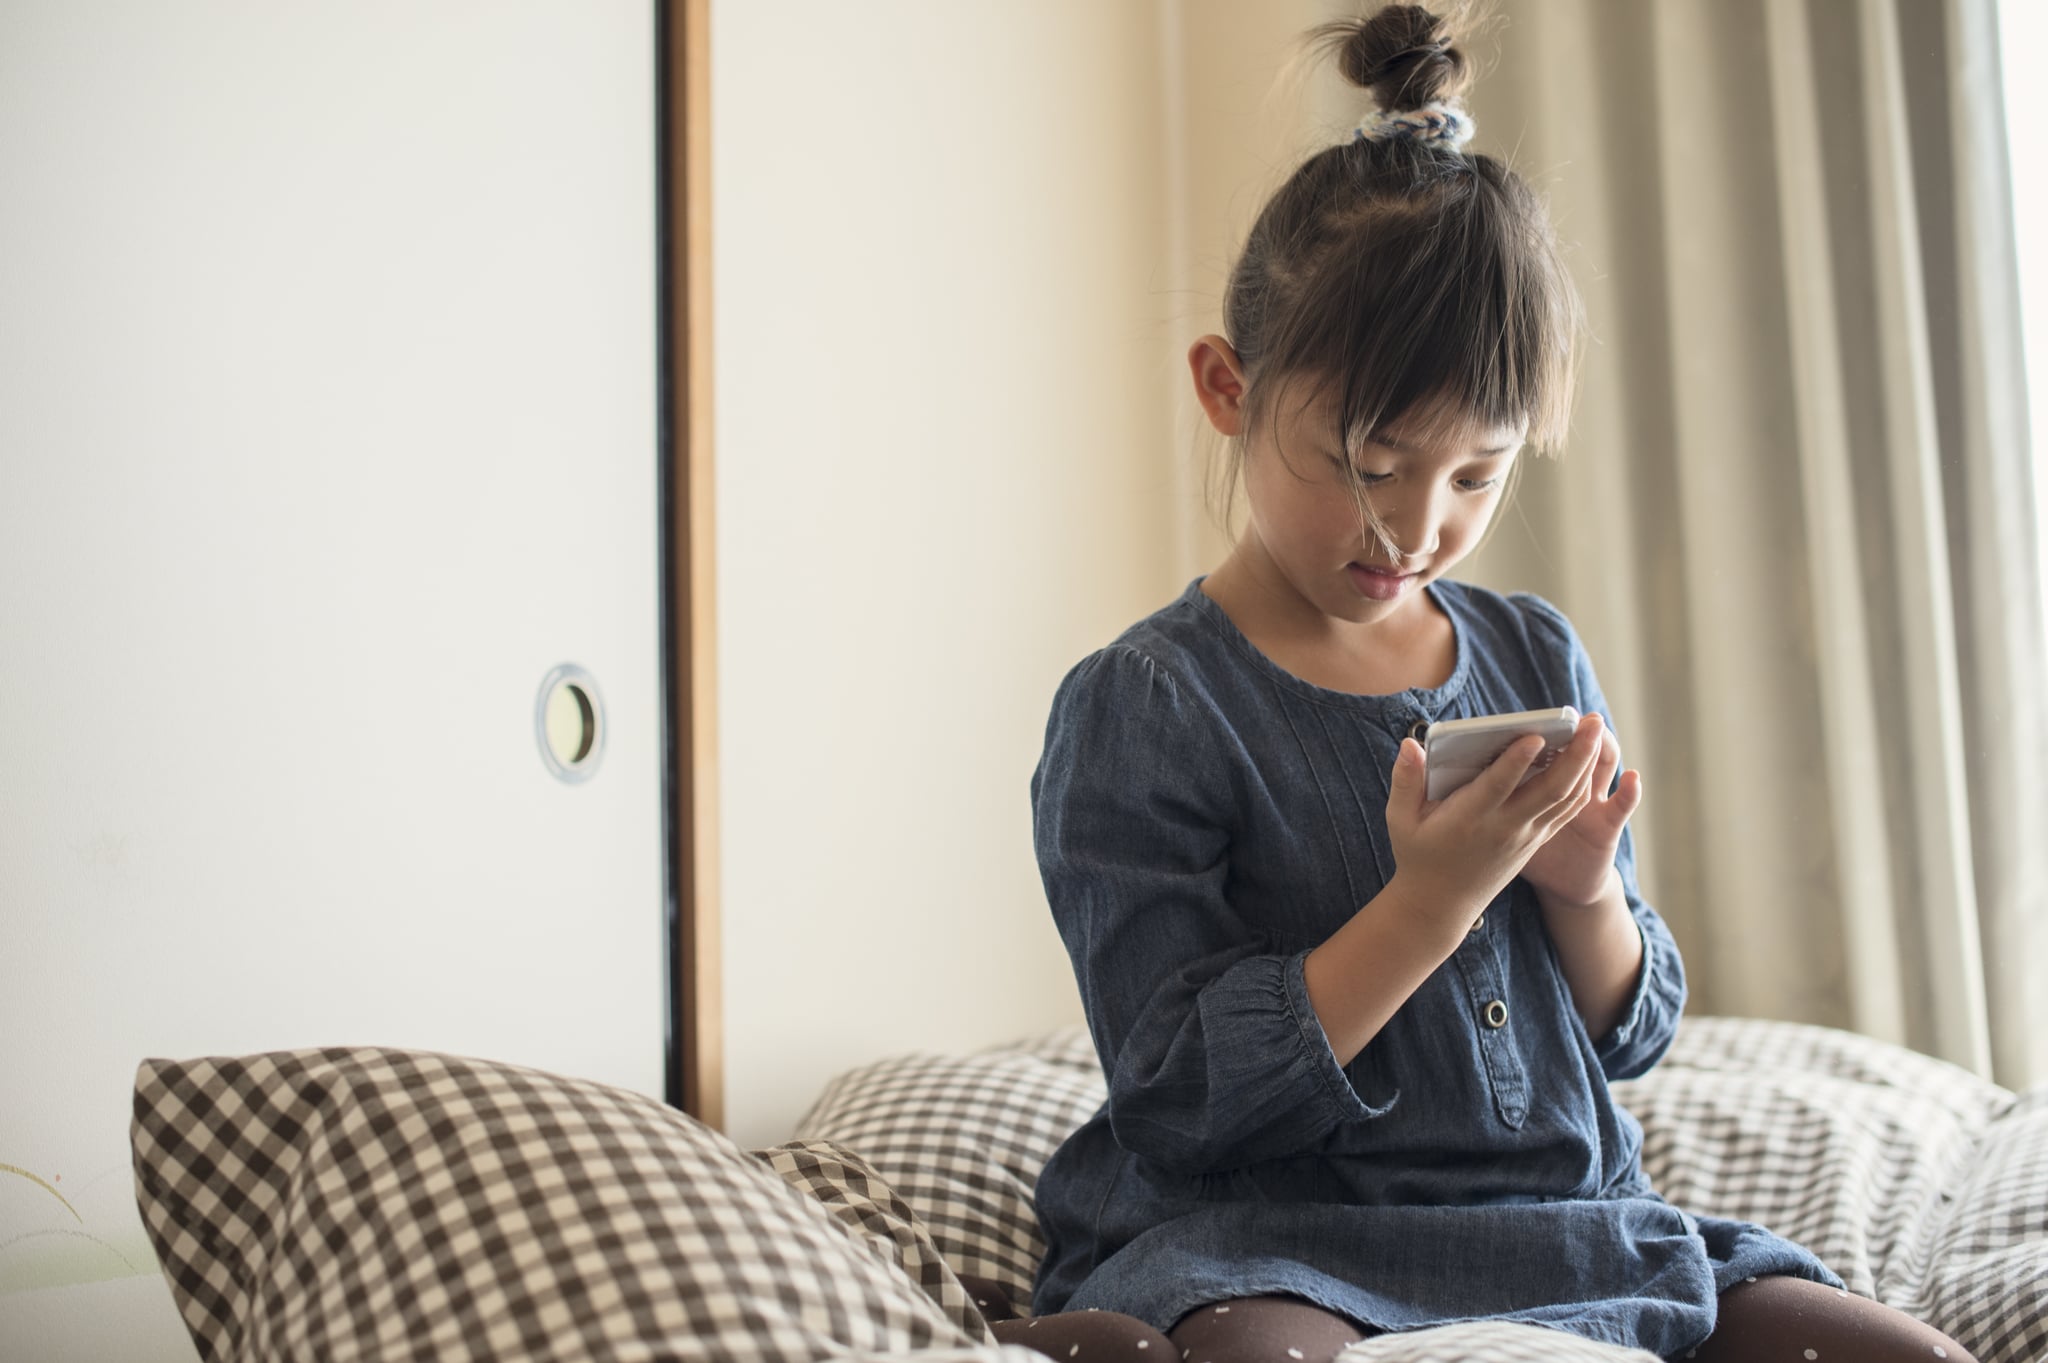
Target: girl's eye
1365, 479
1357, 474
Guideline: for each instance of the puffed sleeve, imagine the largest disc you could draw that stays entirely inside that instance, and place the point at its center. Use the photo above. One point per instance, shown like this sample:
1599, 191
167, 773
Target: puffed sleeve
1213, 1055
1650, 1020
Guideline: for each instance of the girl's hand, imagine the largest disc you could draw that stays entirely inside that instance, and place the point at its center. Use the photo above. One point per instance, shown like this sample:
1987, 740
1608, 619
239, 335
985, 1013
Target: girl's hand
1452, 856
1572, 869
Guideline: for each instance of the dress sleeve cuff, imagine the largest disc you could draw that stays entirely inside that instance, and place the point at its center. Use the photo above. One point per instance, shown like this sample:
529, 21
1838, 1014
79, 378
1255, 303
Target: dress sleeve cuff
1631, 1022
1314, 1053
1650, 1020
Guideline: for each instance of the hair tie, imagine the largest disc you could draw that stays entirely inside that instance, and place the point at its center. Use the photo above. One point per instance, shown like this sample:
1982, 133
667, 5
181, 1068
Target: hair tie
1443, 123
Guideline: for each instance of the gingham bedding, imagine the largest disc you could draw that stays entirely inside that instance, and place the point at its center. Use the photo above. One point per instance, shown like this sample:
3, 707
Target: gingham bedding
350, 1204
1922, 1185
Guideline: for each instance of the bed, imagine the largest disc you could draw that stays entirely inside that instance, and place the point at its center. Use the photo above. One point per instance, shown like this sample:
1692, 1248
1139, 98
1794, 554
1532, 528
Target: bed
370, 1203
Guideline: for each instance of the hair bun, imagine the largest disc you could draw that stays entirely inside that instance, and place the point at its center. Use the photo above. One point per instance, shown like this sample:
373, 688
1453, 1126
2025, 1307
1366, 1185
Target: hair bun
1404, 55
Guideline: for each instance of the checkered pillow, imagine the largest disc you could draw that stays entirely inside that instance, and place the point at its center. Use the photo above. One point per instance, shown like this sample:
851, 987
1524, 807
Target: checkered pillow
1988, 1261
1921, 1184
962, 1139
360, 1204
847, 1186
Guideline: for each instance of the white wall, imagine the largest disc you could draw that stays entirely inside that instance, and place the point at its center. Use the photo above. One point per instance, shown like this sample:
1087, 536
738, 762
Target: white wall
944, 474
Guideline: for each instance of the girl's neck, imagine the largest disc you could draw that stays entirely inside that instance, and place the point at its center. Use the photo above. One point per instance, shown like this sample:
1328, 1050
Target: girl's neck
1414, 648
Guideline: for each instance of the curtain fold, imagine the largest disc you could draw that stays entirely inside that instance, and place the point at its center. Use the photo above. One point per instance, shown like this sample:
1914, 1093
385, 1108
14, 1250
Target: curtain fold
1994, 541
1795, 518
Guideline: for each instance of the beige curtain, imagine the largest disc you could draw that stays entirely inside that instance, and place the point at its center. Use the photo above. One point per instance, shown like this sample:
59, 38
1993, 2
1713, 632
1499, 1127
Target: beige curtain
1794, 522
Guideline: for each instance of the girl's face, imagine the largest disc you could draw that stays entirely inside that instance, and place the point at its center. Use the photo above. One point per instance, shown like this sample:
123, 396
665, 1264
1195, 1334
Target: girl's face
1434, 479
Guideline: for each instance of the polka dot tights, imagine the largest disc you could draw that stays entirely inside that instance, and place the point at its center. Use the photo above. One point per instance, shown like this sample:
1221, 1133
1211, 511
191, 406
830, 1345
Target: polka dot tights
1270, 1329
1803, 1322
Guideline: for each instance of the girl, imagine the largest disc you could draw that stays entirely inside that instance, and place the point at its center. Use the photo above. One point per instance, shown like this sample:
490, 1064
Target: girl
1358, 1043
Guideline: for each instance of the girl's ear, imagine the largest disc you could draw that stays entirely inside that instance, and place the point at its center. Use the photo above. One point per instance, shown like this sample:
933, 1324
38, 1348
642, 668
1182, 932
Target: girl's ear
1219, 383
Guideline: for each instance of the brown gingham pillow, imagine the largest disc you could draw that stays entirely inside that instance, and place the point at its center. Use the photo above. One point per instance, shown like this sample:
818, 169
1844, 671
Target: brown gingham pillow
851, 1190
363, 1203
1987, 1263
1923, 1185
962, 1138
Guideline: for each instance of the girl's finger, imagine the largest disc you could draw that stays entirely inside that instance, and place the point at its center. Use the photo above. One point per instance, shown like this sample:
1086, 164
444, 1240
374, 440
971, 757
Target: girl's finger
1407, 788
1586, 793
1504, 774
1609, 763
1629, 794
1572, 768
1614, 811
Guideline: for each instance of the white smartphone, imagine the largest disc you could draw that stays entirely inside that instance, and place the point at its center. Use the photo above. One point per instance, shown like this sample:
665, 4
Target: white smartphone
1459, 749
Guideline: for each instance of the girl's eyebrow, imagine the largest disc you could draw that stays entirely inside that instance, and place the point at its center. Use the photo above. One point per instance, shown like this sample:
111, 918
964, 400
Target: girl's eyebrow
1406, 448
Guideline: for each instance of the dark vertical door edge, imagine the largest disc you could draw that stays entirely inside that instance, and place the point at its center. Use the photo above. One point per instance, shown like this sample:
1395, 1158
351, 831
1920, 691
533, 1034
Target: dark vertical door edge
673, 534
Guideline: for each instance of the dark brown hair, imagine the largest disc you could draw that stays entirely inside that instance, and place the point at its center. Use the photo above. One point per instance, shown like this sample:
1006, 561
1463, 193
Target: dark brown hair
1402, 275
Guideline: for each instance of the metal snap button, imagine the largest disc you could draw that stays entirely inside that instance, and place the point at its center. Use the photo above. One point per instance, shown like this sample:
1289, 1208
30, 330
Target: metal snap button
1477, 925
1418, 730
1496, 1014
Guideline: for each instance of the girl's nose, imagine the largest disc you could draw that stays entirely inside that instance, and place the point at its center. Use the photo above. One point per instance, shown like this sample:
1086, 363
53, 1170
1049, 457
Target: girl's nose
1413, 536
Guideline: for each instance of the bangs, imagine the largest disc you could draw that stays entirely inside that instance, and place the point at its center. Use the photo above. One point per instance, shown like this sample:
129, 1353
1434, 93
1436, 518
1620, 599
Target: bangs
1438, 312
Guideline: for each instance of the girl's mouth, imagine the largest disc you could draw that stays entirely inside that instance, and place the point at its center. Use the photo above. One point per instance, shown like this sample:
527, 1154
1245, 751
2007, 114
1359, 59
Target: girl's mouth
1381, 584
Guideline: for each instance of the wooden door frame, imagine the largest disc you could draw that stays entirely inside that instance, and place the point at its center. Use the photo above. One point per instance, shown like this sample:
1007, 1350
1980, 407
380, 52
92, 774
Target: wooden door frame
695, 1051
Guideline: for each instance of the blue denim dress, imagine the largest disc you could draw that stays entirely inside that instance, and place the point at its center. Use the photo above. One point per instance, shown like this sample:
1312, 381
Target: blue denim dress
1203, 818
